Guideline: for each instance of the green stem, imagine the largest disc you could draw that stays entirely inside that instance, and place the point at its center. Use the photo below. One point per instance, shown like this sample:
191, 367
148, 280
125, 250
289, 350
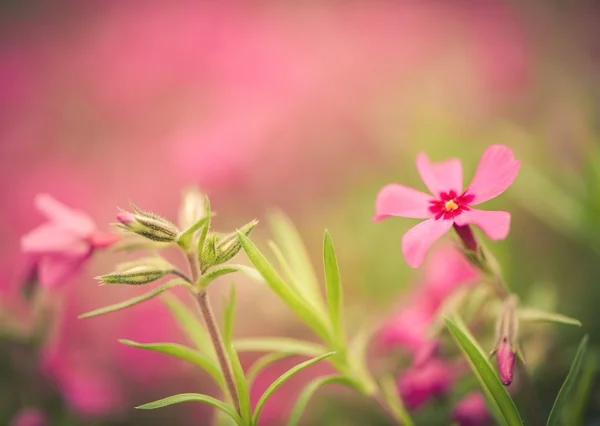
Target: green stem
213, 330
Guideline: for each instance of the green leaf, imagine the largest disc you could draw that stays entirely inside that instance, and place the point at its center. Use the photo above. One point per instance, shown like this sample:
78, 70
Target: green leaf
531, 314
494, 389
582, 393
193, 397
294, 250
190, 324
263, 362
280, 345
334, 287
241, 384
281, 380
357, 351
291, 280
293, 301
562, 398
185, 238
205, 229
184, 353
308, 392
221, 270
136, 300
394, 402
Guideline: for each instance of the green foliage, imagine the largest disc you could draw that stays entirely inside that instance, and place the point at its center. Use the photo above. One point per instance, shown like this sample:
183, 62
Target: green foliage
562, 399
498, 397
334, 288
136, 300
536, 315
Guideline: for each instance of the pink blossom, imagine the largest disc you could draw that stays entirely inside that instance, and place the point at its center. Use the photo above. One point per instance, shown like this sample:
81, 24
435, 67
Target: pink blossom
417, 385
471, 411
450, 205
29, 417
62, 245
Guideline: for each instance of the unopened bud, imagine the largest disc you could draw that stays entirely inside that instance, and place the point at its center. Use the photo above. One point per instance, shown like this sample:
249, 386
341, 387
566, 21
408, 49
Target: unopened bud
148, 225
230, 245
506, 362
139, 272
208, 253
193, 208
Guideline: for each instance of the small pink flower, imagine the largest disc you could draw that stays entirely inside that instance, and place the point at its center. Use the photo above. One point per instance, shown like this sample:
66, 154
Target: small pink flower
417, 385
60, 246
450, 205
471, 411
29, 417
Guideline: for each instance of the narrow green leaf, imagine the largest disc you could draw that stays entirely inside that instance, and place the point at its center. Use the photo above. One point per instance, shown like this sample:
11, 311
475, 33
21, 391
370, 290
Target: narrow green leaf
357, 353
289, 297
531, 314
291, 280
193, 397
241, 384
205, 229
190, 324
562, 398
582, 393
334, 287
309, 391
221, 270
184, 353
294, 250
281, 380
185, 238
494, 389
394, 402
280, 345
135, 300
263, 362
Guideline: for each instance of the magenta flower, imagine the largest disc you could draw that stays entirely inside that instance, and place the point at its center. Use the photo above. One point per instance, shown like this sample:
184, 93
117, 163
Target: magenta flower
60, 246
471, 411
449, 205
29, 417
418, 385
505, 356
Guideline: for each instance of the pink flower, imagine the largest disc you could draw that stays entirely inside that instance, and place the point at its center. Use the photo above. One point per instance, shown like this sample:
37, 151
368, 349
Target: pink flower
417, 385
450, 205
29, 417
60, 246
471, 411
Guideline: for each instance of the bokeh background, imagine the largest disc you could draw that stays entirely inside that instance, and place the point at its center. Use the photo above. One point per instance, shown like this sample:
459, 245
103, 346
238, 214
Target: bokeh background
309, 107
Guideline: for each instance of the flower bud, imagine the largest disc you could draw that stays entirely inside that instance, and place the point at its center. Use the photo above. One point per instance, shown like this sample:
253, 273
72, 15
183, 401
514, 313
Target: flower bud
193, 208
138, 272
229, 245
148, 225
506, 337
506, 362
208, 253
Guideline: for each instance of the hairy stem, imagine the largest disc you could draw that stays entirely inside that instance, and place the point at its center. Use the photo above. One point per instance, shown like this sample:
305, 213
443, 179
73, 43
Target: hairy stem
213, 330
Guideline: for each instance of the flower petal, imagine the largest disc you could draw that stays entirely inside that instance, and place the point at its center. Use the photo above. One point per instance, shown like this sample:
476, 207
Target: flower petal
497, 171
54, 270
50, 238
440, 177
398, 200
75, 220
417, 240
495, 225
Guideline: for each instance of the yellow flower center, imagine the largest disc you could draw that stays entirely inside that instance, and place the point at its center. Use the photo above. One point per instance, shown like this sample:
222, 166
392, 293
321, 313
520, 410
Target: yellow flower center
451, 205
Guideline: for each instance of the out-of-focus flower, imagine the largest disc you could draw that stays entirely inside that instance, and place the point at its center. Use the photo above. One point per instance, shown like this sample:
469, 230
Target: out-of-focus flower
450, 206
445, 271
506, 362
471, 411
60, 246
29, 417
419, 385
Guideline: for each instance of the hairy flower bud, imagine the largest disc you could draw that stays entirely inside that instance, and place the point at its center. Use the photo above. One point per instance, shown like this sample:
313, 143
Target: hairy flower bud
142, 271
230, 245
148, 225
208, 253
